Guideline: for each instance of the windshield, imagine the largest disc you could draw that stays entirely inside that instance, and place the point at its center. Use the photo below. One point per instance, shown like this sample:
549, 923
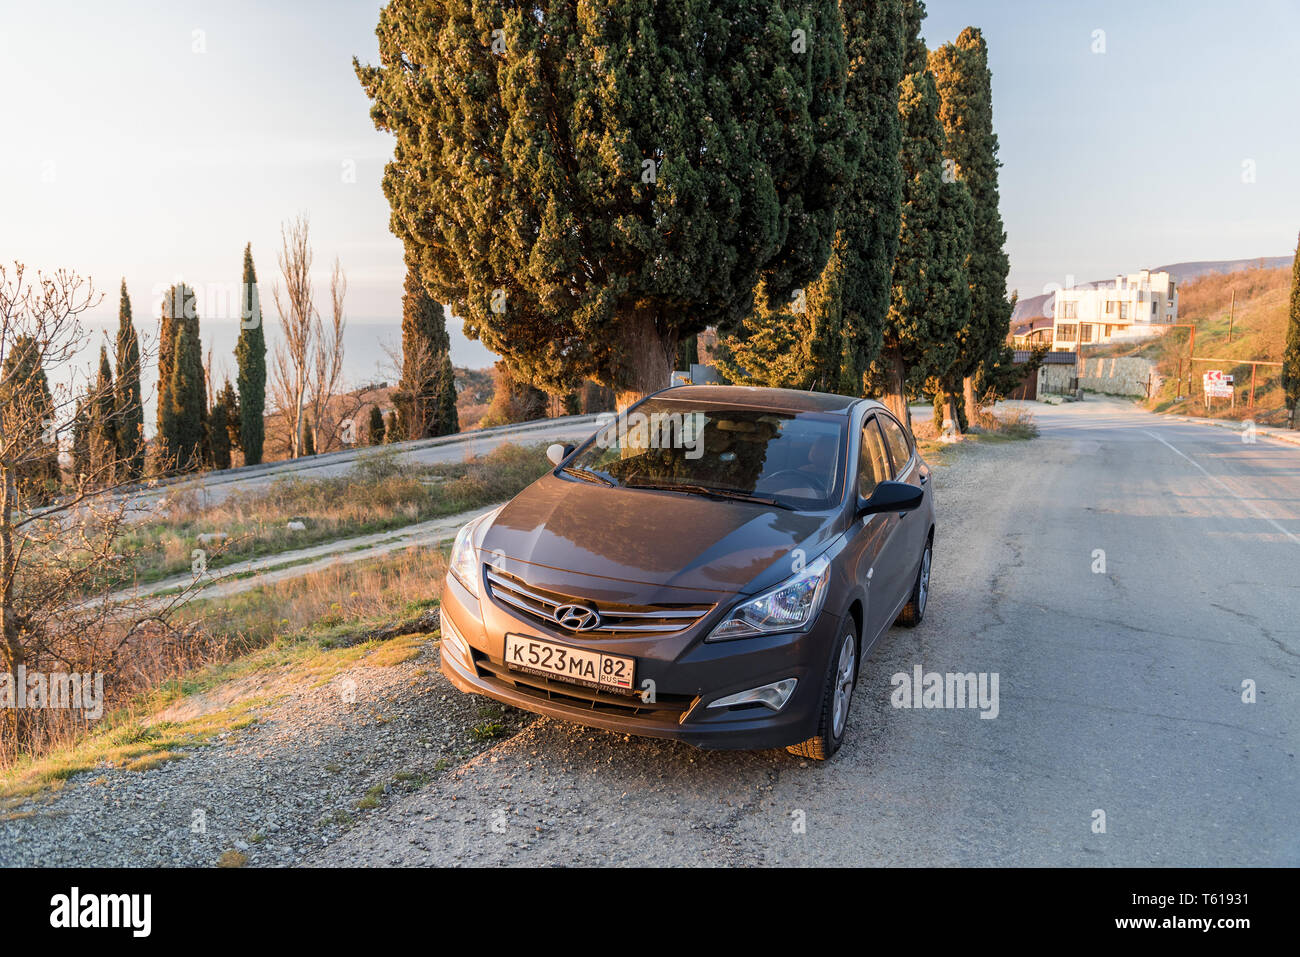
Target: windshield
781, 458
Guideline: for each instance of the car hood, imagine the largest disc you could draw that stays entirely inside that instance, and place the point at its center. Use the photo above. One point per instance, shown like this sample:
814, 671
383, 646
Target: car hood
664, 539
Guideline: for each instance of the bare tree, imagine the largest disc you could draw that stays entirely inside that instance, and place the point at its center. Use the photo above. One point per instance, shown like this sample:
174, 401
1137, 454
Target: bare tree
299, 320
60, 541
307, 368
329, 409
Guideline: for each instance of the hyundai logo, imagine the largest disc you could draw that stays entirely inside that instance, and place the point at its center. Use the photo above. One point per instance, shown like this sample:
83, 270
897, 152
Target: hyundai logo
577, 617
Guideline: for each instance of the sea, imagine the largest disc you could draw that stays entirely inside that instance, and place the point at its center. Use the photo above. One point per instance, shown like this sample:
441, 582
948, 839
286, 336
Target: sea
372, 350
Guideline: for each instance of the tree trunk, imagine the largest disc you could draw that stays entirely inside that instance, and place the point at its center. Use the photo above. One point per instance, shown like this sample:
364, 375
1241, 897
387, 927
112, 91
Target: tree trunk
297, 423
950, 411
644, 359
895, 397
968, 395
11, 649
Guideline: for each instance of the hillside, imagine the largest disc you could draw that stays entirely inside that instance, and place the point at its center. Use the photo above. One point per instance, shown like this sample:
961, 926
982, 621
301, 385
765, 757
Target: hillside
1258, 332
1182, 273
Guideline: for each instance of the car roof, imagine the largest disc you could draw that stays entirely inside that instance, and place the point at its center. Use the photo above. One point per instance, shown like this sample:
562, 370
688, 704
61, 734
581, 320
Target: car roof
754, 397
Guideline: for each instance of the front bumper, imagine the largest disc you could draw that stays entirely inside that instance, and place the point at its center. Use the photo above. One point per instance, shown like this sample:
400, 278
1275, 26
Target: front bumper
687, 673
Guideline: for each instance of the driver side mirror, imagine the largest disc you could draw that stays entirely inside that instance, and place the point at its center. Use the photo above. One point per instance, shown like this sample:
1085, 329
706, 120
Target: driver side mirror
892, 497
557, 453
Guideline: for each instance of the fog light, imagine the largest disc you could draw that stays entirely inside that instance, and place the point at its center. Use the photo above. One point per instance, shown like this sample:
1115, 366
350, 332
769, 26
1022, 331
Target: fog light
772, 696
452, 640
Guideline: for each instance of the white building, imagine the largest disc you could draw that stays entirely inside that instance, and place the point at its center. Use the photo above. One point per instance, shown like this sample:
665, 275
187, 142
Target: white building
1136, 306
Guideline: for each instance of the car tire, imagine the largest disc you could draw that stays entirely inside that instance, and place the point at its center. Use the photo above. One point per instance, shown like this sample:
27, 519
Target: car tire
914, 610
833, 719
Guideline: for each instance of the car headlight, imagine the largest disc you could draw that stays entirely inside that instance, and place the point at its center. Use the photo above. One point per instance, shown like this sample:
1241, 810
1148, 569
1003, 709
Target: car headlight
791, 606
463, 563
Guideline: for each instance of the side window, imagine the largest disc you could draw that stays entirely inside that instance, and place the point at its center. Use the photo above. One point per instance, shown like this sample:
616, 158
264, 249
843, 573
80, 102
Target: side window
899, 447
873, 463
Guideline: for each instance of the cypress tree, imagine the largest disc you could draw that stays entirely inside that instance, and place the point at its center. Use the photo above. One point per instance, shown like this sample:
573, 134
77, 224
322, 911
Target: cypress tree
552, 180
830, 333
424, 344
81, 439
228, 399
130, 408
965, 86
448, 419
947, 363
187, 401
27, 417
104, 444
173, 308
871, 216
791, 345
688, 352
250, 354
308, 437
375, 432
1291, 358
219, 432
919, 332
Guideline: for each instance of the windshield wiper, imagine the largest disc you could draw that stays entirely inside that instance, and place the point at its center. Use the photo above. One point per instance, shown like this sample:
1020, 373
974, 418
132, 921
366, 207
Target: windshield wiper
711, 492
587, 475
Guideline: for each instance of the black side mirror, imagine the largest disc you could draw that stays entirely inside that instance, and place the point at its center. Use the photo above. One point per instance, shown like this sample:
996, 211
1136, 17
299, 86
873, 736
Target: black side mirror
892, 497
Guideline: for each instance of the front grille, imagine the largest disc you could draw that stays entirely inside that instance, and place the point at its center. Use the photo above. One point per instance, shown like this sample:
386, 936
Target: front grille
672, 707
615, 619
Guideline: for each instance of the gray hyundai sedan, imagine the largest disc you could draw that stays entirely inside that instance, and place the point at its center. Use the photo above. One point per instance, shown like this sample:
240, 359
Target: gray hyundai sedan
712, 566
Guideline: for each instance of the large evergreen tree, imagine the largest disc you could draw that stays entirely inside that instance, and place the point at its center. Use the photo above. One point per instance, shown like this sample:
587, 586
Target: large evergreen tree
424, 344
27, 418
1291, 358
219, 437
791, 345
918, 338
870, 217
228, 399
250, 354
104, 442
185, 415
447, 419
130, 407
826, 336
375, 432
554, 182
173, 309
965, 85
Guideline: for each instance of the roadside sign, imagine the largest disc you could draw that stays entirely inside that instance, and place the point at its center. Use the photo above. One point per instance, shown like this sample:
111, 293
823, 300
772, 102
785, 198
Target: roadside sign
1217, 385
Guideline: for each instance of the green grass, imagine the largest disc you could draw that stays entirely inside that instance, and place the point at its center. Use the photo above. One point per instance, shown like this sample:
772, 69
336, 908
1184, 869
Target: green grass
126, 743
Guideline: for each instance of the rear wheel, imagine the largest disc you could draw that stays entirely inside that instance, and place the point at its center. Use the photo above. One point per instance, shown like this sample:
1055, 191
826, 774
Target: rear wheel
834, 717
914, 610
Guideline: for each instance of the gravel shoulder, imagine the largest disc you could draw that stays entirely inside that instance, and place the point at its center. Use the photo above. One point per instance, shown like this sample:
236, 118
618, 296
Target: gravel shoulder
363, 759
559, 794
331, 742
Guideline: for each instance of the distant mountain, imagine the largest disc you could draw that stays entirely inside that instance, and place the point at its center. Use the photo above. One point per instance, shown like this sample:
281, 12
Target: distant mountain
1182, 272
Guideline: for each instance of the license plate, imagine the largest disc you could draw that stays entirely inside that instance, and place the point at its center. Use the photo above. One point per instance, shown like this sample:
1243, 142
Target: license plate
594, 669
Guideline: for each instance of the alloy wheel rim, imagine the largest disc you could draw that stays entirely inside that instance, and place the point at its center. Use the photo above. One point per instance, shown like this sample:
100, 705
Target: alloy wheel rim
843, 686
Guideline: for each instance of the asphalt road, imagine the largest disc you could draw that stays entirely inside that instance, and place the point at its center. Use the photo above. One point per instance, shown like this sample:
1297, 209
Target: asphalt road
1120, 691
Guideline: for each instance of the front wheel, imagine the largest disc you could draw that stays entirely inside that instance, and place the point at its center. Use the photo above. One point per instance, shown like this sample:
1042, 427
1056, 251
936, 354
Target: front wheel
914, 610
835, 703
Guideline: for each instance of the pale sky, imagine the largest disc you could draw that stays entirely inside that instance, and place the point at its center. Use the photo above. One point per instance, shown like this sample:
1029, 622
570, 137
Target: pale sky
153, 139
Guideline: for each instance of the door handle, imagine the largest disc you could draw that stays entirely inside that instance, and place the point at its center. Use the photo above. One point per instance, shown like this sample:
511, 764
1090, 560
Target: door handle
925, 477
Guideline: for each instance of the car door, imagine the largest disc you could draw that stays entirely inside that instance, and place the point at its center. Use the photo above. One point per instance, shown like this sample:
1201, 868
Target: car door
874, 532
909, 540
